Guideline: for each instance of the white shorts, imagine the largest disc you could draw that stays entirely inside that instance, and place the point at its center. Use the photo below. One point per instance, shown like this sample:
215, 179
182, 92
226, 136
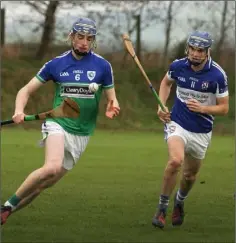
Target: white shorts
196, 144
74, 145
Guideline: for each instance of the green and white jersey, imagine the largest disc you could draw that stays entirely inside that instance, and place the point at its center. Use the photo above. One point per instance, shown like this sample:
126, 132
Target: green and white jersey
72, 78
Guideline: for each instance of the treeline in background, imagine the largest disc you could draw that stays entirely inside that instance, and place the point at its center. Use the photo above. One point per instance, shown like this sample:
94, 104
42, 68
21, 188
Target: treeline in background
33, 32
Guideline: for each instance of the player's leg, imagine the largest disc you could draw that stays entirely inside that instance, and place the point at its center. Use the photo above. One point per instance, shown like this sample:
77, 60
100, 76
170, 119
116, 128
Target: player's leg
196, 151
49, 183
191, 167
68, 163
54, 154
176, 147
175, 160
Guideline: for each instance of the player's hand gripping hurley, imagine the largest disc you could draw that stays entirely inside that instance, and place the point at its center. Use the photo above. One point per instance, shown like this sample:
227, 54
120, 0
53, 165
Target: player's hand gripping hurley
68, 109
130, 49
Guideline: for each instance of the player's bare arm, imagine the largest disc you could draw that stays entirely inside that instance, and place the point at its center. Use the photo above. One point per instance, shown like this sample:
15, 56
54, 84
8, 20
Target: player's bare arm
113, 107
165, 88
221, 108
22, 99
164, 93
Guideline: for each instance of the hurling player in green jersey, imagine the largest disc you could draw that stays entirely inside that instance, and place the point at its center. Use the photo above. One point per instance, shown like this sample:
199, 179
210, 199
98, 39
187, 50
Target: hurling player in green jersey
65, 139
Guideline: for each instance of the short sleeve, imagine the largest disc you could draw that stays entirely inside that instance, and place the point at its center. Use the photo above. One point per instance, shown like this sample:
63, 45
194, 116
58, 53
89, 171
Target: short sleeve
222, 86
108, 78
171, 72
45, 73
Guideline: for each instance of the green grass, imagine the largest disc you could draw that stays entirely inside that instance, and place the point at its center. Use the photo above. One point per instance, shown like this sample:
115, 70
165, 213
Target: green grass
112, 193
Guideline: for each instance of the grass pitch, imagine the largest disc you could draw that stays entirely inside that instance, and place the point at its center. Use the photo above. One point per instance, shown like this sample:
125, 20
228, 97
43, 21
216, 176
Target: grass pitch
112, 193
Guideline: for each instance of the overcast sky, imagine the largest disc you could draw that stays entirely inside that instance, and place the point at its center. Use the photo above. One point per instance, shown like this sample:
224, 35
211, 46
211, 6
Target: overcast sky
152, 36
14, 11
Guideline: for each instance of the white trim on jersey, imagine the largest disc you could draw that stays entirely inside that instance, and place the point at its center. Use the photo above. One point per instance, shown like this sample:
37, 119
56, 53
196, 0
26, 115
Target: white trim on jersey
95, 54
211, 121
63, 54
226, 93
214, 64
169, 77
210, 62
176, 60
218, 95
112, 75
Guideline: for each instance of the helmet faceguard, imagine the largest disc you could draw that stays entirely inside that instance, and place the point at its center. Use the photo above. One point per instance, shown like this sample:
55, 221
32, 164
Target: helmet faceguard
200, 40
84, 26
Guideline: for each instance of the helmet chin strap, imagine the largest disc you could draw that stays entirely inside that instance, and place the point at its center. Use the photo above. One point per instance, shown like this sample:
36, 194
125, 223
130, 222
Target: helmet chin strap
79, 53
195, 63
198, 63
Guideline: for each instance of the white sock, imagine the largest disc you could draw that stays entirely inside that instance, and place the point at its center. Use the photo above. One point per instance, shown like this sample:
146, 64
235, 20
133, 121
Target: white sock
180, 198
9, 205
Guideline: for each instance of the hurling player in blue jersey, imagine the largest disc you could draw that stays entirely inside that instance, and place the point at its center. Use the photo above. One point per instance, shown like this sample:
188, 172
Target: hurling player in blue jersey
65, 139
201, 93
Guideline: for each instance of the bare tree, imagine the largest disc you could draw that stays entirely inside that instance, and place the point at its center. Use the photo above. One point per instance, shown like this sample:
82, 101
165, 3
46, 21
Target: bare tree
224, 25
47, 11
126, 13
195, 22
171, 9
219, 20
169, 23
48, 29
116, 19
2, 26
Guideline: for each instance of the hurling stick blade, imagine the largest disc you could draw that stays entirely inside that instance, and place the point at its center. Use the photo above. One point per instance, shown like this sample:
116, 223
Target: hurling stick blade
128, 44
129, 47
68, 109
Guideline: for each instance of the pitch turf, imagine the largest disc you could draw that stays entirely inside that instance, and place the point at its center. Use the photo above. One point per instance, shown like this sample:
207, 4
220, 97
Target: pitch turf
111, 194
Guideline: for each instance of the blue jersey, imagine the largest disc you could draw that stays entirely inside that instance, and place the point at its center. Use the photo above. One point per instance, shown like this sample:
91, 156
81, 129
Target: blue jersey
205, 86
72, 78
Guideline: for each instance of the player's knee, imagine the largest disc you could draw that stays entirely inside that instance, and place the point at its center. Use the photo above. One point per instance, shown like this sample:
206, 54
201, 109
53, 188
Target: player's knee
51, 172
175, 163
189, 176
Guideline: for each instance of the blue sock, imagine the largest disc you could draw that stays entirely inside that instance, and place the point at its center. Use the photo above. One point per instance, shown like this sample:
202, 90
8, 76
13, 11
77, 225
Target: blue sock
181, 196
163, 203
